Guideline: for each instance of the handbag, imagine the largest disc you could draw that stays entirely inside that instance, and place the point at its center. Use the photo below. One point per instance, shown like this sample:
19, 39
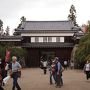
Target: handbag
11, 75
19, 73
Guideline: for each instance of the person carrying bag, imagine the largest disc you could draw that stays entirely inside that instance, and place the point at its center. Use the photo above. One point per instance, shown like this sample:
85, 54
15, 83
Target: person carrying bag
15, 73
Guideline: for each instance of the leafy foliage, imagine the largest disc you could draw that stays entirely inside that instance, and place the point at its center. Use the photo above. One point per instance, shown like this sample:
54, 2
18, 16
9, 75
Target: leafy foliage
19, 52
2, 52
83, 52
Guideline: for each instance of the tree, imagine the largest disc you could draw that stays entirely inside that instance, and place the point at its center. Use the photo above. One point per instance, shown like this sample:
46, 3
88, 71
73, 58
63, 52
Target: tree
72, 15
82, 54
22, 19
1, 27
2, 52
1, 24
7, 31
1, 31
88, 27
19, 52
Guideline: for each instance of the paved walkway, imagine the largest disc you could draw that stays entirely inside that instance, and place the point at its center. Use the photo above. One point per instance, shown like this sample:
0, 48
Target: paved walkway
34, 79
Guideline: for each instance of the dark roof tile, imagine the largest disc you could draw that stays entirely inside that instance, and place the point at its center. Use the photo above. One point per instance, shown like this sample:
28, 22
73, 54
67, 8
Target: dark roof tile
47, 25
47, 45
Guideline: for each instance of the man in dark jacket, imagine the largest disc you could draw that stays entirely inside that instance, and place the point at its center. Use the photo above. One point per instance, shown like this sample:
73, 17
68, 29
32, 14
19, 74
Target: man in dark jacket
58, 73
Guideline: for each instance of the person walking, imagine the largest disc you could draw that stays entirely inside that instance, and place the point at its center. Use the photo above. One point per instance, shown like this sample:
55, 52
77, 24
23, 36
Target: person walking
65, 64
52, 72
58, 73
15, 67
87, 70
45, 67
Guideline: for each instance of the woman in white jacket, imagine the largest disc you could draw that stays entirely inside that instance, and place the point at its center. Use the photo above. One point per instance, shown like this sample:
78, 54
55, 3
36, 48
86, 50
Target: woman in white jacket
87, 70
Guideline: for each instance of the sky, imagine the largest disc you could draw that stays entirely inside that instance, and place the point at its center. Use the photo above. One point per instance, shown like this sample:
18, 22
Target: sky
41, 10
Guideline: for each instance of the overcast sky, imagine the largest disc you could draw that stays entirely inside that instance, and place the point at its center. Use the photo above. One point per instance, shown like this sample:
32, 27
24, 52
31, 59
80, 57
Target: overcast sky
12, 10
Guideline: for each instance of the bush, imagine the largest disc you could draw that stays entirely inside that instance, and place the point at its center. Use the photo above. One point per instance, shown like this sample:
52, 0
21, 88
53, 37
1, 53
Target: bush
17, 51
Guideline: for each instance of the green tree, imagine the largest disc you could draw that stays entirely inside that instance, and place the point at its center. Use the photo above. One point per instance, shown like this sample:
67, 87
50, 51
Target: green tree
83, 52
18, 51
88, 27
2, 52
22, 19
72, 15
1, 27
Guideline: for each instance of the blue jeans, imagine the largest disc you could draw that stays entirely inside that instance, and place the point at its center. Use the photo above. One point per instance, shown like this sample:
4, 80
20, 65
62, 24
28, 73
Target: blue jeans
15, 83
59, 80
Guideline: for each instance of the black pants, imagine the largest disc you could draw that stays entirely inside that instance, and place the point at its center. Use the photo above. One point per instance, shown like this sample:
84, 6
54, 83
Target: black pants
1, 88
58, 79
15, 83
65, 67
45, 70
87, 74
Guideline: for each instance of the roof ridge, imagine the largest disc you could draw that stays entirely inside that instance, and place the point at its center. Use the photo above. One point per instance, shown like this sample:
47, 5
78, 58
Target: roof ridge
49, 21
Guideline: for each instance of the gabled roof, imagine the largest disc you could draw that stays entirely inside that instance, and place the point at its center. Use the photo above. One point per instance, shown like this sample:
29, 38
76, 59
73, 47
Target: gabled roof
47, 25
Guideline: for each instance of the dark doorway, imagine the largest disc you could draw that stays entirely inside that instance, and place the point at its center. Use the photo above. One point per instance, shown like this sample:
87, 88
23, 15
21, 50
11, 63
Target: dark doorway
34, 55
47, 55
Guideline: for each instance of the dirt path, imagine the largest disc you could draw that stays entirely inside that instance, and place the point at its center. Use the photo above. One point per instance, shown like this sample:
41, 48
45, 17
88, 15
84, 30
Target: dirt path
34, 79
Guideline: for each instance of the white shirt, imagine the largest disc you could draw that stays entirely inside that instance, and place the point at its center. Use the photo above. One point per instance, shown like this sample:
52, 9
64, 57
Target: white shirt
87, 67
65, 62
45, 64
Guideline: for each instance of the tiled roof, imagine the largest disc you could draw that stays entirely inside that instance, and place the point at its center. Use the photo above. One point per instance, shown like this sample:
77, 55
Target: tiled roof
47, 45
47, 25
47, 31
10, 38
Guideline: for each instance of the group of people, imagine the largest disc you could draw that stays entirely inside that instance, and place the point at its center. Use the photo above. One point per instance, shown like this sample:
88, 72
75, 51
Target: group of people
56, 67
56, 70
12, 69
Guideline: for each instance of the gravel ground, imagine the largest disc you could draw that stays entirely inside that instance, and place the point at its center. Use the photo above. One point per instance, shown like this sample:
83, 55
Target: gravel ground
34, 79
